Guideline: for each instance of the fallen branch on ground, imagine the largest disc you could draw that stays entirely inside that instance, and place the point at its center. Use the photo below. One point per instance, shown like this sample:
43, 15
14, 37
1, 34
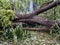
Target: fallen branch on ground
38, 20
37, 29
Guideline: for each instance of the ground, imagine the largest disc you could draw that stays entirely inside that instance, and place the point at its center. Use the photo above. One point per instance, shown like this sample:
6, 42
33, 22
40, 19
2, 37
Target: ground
36, 38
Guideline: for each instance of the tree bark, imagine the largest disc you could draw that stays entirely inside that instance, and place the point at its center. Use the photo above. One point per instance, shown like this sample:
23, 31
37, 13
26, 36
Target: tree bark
37, 20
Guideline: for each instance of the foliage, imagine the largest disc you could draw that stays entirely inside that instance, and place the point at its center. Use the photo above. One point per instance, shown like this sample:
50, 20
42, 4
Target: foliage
53, 14
15, 34
6, 5
7, 31
7, 15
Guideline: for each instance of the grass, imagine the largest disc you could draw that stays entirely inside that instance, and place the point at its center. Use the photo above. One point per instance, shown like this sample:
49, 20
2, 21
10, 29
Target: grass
37, 38
17, 36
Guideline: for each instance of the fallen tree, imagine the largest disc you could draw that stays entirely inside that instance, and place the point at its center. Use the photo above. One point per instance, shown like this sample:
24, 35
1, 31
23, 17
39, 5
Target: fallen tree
38, 20
33, 19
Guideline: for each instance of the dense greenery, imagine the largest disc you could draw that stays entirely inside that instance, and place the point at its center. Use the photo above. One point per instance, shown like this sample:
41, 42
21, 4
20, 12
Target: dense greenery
7, 14
6, 29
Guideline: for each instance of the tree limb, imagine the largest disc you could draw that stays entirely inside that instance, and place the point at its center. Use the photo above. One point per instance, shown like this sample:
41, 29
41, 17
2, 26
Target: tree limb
37, 29
43, 9
38, 20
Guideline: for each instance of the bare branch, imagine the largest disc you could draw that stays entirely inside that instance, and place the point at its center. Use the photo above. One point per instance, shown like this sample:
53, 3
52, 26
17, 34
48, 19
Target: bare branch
37, 29
43, 9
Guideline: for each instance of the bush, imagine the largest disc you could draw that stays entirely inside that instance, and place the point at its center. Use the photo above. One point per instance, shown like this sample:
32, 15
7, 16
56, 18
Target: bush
7, 31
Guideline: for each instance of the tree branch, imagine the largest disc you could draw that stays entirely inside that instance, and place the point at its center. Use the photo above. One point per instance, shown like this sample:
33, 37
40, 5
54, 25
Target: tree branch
43, 9
37, 29
36, 20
